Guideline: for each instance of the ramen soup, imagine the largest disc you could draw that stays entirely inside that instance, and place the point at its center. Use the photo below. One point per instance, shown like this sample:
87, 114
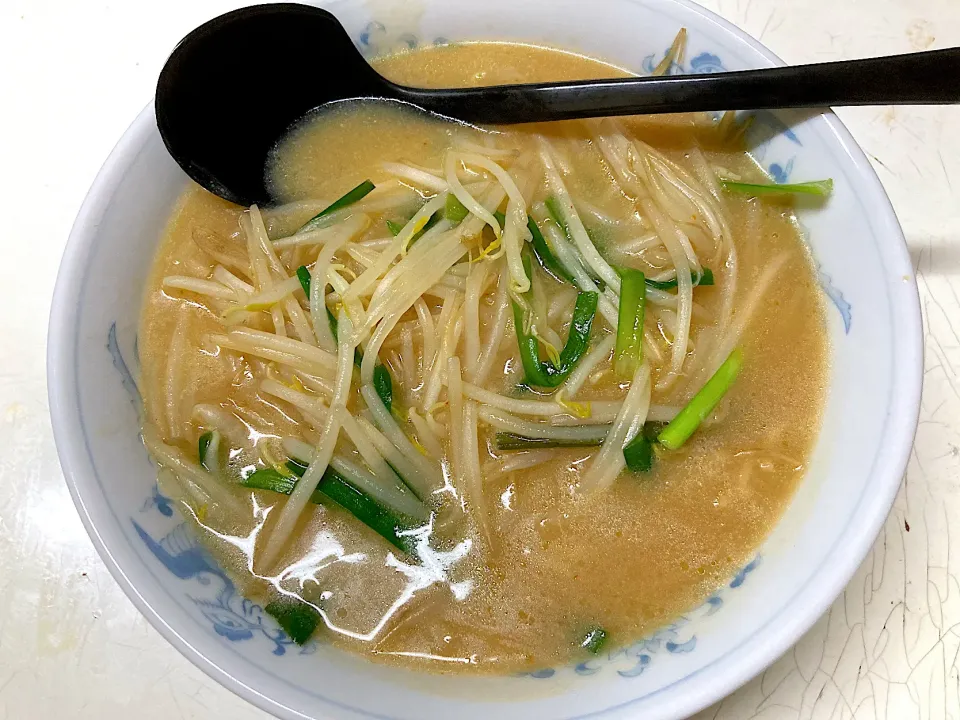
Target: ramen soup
486, 400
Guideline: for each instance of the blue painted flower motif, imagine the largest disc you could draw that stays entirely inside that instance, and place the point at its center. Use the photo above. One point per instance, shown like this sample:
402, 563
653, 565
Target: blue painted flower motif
226, 624
650, 63
667, 638
159, 501
703, 63
713, 603
181, 554
637, 669
832, 291
836, 297
126, 377
231, 616
739, 578
781, 173
371, 38
590, 667
762, 127
706, 63
684, 647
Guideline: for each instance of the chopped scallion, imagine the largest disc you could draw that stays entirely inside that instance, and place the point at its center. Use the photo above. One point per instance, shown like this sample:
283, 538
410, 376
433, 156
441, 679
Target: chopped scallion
545, 255
454, 210
355, 195
628, 351
594, 640
395, 227
553, 208
296, 617
382, 381
706, 278
819, 188
511, 441
638, 453
544, 373
434, 219
383, 384
679, 430
203, 446
336, 487
303, 275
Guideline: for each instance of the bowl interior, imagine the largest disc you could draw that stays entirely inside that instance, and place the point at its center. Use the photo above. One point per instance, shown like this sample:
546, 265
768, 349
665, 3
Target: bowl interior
873, 324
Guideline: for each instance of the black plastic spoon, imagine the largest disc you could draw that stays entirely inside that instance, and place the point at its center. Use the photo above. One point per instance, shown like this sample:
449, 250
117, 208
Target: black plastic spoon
236, 84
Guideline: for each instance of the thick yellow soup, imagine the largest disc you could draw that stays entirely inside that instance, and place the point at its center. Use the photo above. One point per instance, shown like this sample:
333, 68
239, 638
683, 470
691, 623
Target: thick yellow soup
485, 400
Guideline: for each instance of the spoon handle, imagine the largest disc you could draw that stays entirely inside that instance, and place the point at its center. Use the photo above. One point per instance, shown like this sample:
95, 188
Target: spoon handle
926, 78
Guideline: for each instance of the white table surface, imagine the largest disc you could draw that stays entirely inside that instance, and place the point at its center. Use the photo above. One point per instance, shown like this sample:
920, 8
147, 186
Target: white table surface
74, 73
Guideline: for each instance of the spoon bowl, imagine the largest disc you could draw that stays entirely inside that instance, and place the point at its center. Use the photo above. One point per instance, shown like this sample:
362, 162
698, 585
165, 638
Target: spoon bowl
300, 52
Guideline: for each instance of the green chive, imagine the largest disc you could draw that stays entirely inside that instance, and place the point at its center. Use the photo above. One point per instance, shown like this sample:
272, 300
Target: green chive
545, 255
594, 640
396, 227
553, 207
819, 188
338, 488
303, 275
544, 373
203, 445
296, 617
512, 441
434, 219
706, 278
383, 384
355, 195
638, 453
679, 430
454, 210
270, 479
628, 351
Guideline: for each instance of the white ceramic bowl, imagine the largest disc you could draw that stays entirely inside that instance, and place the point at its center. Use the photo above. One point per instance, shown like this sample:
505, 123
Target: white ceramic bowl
871, 413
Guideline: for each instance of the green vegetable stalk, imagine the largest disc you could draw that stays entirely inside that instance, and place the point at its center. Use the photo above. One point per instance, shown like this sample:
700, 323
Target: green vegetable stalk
628, 350
355, 195
296, 617
382, 382
679, 430
544, 373
336, 487
705, 278
594, 640
818, 188
511, 441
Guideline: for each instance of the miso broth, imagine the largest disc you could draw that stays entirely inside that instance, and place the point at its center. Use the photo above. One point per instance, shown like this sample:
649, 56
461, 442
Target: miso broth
507, 559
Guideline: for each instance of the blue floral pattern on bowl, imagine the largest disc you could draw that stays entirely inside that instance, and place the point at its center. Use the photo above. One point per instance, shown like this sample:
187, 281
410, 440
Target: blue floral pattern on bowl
231, 616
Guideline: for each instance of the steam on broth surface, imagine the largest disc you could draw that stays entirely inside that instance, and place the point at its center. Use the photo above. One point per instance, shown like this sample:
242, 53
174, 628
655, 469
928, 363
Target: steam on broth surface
467, 517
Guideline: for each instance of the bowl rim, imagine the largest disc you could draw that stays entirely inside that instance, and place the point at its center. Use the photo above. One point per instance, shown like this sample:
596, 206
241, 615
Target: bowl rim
756, 653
